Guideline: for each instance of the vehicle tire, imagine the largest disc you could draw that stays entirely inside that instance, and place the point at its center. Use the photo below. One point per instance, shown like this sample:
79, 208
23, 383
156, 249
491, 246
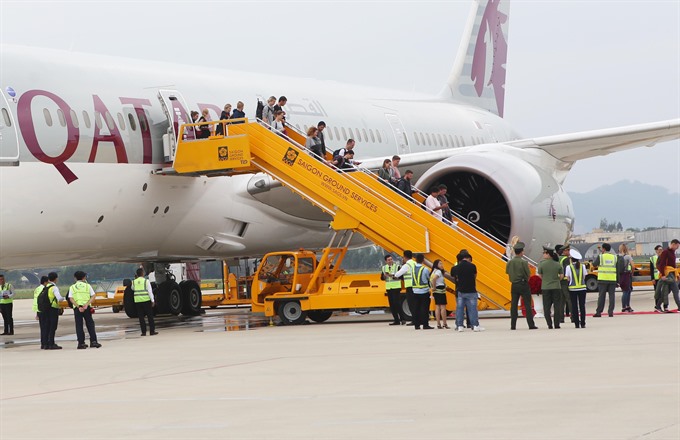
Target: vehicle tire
591, 283
405, 309
129, 303
115, 309
191, 297
169, 298
291, 313
319, 315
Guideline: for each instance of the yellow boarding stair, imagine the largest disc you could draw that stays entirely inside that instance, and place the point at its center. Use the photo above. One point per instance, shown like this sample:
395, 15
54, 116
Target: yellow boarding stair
357, 200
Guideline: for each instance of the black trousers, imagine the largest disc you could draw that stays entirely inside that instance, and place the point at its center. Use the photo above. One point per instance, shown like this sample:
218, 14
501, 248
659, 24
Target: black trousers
421, 312
89, 322
552, 297
44, 321
517, 290
578, 304
144, 308
411, 303
6, 310
52, 324
394, 298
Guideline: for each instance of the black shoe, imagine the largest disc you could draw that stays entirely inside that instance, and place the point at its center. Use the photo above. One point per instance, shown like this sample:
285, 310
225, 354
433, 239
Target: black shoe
596, 315
513, 328
611, 315
658, 309
403, 322
394, 323
428, 328
53, 347
95, 344
533, 328
583, 326
82, 346
577, 325
43, 347
143, 334
4, 333
409, 323
557, 326
153, 333
417, 327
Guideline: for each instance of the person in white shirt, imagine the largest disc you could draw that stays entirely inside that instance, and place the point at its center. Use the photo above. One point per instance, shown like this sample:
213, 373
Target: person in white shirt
432, 203
277, 124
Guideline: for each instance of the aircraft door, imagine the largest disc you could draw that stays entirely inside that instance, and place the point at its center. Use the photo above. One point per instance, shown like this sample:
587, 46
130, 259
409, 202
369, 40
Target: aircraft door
177, 112
399, 133
9, 136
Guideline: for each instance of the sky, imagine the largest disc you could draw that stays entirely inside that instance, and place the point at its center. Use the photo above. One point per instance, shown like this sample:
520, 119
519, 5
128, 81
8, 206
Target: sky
572, 65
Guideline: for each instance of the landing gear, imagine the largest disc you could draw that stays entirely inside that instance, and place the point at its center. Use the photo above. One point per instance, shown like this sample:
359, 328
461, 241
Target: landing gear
191, 297
168, 298
129, 300
291, 313
319, 315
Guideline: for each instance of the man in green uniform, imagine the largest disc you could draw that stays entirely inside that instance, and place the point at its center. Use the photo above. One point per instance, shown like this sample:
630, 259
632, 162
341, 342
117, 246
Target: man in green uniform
550, 271
82, 295
518, 273
7, 305
563, 253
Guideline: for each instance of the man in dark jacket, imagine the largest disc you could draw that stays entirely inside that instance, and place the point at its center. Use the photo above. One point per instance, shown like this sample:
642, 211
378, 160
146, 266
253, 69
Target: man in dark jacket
668, 280
404, 184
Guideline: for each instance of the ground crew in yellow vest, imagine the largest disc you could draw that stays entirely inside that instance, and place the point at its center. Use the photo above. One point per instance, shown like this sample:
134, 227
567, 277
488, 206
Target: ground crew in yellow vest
393, 290
82, 295
6, 305
563, 254
519, 274
41, 317
144, 301
576, 275
407, 271
607, 278
53, 313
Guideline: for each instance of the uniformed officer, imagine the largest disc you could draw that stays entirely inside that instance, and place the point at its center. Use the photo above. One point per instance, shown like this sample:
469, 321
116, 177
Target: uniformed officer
550, 271
576, 276
519, 274
6, 306
53, 312
41, 317
393, 290
144, 300
563, 254
82, 295
407, 271
607, 278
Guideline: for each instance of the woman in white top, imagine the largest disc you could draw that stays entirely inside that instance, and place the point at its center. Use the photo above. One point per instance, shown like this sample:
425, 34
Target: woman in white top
576, 274
438, 289
277, 123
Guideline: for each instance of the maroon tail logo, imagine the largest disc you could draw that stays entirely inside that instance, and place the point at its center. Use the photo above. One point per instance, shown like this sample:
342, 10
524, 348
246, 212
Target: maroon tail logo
491, 22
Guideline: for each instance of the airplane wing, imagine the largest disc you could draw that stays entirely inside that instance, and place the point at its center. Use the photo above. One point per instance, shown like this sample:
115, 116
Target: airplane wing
582, 145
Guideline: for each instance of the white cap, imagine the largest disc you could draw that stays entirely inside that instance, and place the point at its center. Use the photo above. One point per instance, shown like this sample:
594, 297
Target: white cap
573, 253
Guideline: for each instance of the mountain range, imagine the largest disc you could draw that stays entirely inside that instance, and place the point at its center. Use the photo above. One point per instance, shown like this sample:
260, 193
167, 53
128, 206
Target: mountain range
634, 204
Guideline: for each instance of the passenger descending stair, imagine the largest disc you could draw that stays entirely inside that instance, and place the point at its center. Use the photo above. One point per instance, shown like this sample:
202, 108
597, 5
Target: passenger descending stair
357, 200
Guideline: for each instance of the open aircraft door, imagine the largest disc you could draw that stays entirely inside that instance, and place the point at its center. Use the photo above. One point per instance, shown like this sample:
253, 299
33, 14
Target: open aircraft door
178, 113
9, 136
399, 133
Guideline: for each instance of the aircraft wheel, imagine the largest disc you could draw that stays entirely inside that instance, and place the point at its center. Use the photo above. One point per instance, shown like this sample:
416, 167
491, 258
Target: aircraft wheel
169, 298
406, 310
291, 313
591, 283
191, 297
319, 315
129, 303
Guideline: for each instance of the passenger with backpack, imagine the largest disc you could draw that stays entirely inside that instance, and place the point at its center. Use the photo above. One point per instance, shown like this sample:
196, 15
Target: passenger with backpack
82, 295
41, 317
268, 111
48, 303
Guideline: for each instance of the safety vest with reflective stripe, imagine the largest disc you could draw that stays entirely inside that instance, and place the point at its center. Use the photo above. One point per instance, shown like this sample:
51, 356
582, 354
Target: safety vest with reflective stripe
391, 283
653, 260
576, 282
37, 292
408, 278
81, 293
418, 282
139, 287
3, 288
606, 270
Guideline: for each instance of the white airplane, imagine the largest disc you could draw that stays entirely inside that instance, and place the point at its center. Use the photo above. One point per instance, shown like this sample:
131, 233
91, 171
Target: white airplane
82, 136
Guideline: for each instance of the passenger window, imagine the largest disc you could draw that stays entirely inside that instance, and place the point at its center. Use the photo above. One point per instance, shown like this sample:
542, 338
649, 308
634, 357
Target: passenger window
109, 121
74, 118
6, 118
427, 136
143, 122
329, 132
446, 141
351, 134
370, 131
86, 119
298, 127
121, 121
133, 124
415, 135
62, 119
337, 133
98, 119
377, 133
344, 133
358, 134
48, 117
439, 138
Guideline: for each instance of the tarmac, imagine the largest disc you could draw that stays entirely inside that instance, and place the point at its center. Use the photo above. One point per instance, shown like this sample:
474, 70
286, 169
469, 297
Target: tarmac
230, 375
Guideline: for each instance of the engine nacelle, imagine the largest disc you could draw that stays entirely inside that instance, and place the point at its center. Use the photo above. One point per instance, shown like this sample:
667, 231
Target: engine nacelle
507, 191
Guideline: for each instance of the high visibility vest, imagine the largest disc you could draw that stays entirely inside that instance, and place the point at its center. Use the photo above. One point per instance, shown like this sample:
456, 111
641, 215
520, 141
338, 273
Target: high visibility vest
81, 293
36, 292
653, 260
562, 258
391, 283
576, 282
139, 287
53, 298
3, 289
408, 278
418, 279
606, 270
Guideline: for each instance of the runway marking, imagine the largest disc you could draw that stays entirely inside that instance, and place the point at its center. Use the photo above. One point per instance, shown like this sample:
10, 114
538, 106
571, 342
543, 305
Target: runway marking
117, 382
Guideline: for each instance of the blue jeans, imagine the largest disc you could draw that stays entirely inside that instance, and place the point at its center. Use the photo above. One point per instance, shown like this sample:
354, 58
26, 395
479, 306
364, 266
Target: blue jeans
468, 300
